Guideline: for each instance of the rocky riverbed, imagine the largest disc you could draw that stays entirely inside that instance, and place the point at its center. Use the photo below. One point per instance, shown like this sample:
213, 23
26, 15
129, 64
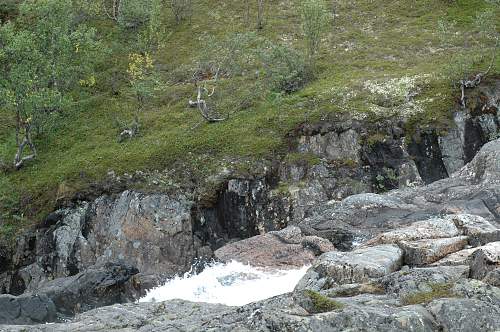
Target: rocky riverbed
402, 234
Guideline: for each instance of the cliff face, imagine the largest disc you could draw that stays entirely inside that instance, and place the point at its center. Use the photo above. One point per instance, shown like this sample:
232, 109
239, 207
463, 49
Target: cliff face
428, 257
345, 181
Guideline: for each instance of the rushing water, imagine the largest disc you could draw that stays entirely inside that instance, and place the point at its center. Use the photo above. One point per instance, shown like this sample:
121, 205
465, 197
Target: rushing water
231, 283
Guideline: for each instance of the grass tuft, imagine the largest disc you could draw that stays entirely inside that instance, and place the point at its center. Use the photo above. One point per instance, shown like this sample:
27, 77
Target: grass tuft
322, 303
440, 290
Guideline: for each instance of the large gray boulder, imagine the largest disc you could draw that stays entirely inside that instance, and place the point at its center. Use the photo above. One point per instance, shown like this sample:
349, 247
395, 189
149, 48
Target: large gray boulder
484, 260
465, 315
26, 309
424, 252
361, 265
432, 228
405, 283
287, 248
476, 289
96, 287
493, 277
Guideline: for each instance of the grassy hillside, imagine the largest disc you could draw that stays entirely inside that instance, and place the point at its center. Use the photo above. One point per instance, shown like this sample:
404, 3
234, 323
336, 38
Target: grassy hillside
375, 52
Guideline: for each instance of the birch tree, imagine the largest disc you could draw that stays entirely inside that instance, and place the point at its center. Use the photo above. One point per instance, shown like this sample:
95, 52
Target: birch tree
41, 60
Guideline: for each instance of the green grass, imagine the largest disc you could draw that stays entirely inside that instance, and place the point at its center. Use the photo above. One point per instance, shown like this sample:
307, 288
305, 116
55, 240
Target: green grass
439, 290
369, 41
322, 303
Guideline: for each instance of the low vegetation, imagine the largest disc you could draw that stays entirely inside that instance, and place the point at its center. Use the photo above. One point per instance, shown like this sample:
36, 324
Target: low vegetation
322, 303
437, 291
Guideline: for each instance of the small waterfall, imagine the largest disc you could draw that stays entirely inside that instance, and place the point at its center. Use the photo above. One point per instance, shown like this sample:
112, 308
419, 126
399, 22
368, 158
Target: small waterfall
232, 283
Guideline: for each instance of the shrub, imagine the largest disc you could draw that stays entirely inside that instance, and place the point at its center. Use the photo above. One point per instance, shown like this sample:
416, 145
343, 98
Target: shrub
285, 68
8, 9
133, 13
314, 23
181, 9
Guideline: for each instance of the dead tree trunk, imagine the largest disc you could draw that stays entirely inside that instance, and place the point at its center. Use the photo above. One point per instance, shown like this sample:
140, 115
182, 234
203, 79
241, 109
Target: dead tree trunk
112, 8
133, 130
476, 80
260, 14
23, 139
201, 104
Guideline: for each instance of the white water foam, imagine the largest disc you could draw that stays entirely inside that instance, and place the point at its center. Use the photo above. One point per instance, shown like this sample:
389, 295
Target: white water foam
232, 283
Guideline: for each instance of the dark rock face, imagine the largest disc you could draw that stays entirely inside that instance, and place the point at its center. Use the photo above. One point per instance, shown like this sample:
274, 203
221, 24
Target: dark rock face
26, 309
96, 287
473, 128
243, 208
428, 157
151, 232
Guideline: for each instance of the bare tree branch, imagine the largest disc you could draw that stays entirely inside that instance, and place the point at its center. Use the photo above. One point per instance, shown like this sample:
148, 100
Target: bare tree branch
205, 111
472, 83
19, 160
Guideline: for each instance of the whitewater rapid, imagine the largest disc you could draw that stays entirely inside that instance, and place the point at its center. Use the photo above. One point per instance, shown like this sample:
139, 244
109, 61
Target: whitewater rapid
233, 284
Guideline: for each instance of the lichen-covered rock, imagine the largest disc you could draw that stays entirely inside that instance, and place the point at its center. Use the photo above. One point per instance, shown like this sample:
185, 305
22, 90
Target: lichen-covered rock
476, 289
484, 260
461, 257
464, 315
423, 252
404, 283
426, 229
332, 145
336, 268
479, 230
493, 277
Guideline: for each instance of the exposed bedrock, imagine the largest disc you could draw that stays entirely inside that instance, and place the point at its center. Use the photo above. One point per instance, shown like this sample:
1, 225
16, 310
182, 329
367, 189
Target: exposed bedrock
284, 249
424, 261
96, 287
350, 193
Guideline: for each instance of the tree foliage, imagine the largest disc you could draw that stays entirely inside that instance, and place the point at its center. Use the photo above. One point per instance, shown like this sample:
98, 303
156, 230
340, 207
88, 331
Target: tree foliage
315, 16
181, 9
284, 68
43, 56
144, 82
